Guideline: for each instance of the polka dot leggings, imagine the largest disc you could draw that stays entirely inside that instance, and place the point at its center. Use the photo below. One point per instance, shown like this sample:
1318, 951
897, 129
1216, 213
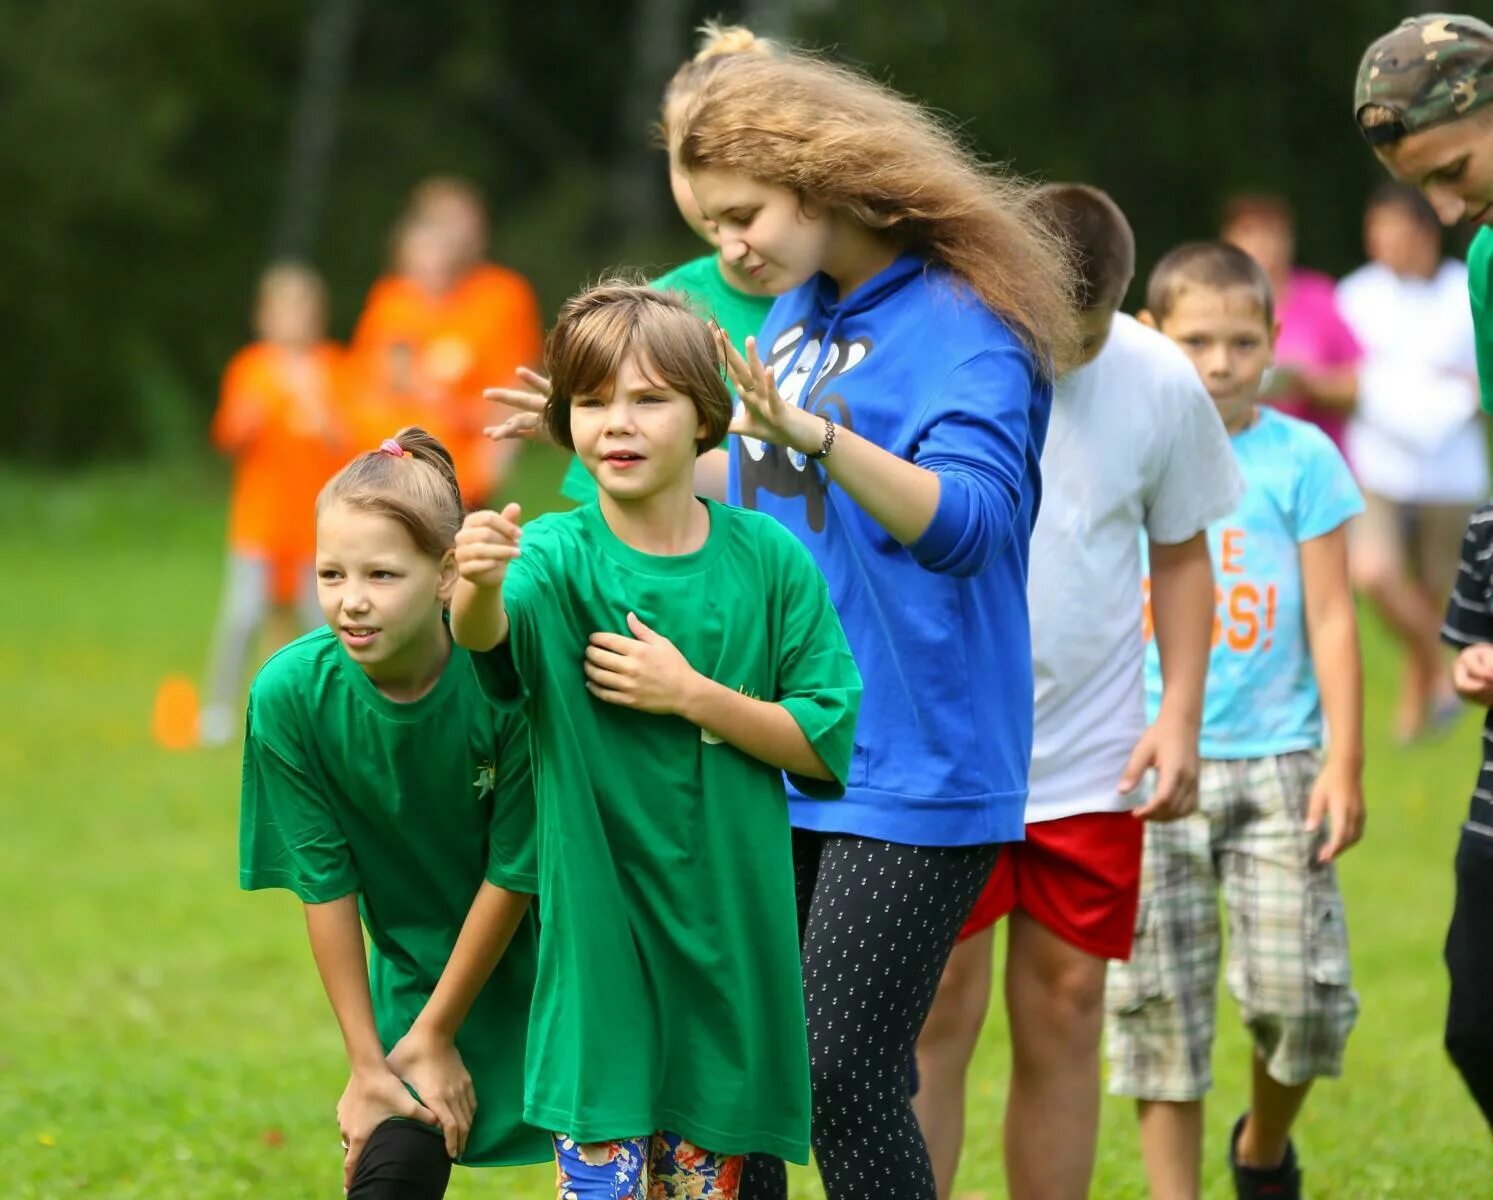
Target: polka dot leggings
877, 922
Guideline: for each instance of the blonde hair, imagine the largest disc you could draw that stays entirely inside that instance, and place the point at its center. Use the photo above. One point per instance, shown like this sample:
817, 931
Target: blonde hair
417, 488
599, 327
716, 42
842, 140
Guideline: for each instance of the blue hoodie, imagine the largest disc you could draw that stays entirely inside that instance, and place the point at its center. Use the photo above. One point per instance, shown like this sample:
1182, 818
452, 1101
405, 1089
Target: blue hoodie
912, 361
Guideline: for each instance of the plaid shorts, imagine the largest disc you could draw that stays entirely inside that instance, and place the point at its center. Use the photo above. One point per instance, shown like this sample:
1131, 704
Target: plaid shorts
1287, 944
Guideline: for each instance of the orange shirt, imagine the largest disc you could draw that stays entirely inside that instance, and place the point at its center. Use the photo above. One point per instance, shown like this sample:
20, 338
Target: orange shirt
424, 360
287, 438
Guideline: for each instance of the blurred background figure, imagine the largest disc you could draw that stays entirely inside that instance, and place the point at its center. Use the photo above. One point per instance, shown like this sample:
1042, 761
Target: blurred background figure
279, 420
1416, 438
442, 326
1316, 354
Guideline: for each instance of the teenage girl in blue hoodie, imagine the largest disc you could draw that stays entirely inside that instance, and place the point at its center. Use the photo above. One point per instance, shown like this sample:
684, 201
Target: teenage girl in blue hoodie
893, 412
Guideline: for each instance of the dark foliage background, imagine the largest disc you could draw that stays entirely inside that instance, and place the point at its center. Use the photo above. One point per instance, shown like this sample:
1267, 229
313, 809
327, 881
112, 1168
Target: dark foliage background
145, 151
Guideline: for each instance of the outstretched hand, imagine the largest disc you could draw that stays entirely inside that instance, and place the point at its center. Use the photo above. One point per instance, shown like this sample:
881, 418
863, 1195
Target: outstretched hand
763, 413
528, 401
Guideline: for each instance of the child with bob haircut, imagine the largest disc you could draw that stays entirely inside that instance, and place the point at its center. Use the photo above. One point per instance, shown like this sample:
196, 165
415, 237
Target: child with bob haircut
377, 779
1274, 812
674, 657
894, 408
716, 288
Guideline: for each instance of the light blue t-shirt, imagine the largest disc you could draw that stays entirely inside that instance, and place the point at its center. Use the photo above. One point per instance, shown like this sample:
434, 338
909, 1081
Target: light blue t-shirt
1262, 697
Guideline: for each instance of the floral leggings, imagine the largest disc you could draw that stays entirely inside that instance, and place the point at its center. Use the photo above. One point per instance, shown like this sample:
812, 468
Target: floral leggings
676, 1170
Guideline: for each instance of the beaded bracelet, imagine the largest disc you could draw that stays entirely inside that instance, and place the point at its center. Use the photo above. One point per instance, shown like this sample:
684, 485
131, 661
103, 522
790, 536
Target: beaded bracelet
829, 440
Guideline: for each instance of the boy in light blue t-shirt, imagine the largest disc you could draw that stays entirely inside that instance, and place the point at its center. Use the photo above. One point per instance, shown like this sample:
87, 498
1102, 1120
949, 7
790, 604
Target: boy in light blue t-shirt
1274, 810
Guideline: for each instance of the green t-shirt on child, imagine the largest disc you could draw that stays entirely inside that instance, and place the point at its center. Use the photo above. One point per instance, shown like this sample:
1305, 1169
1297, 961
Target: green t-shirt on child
739, 313
670, 992
411, 806
1480, 286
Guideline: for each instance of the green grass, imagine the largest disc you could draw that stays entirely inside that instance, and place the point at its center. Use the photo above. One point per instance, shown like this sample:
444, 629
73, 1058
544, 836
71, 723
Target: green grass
163, 1035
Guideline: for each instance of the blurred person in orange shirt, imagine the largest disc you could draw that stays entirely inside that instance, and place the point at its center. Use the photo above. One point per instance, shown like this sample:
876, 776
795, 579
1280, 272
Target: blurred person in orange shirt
279, 420
442, 327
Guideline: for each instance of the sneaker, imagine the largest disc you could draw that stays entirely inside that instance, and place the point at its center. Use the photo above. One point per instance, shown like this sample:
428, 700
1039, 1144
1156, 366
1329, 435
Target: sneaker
1264, 1183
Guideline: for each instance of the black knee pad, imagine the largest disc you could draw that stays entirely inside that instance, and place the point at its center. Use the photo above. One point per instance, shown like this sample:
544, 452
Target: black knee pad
402, 1161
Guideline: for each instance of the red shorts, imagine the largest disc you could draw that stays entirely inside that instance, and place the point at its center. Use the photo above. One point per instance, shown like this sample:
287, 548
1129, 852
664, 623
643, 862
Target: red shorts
1078, 876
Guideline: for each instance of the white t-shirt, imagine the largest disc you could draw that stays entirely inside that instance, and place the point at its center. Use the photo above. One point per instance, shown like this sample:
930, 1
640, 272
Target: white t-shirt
1134, 446
1416, 435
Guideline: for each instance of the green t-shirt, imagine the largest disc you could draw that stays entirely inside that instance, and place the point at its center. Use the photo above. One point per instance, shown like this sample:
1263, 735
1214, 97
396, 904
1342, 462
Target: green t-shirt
735, 311
411, 806
670, 993
1480, 285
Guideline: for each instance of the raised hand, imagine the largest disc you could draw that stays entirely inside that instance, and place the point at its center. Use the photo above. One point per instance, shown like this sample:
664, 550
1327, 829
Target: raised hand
485, 544
528, 401
763, 413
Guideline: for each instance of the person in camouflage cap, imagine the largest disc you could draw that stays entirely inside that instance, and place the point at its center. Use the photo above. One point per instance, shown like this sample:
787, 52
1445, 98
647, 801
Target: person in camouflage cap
1424, 102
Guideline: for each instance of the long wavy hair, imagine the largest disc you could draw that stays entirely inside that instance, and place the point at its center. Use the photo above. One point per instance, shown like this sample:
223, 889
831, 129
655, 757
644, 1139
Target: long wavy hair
846, 142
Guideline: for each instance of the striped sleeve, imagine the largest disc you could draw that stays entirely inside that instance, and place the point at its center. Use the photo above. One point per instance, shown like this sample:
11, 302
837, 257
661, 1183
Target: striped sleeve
1469, 615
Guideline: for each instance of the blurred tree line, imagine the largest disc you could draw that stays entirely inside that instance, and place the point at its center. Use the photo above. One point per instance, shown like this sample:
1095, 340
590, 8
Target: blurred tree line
155, 153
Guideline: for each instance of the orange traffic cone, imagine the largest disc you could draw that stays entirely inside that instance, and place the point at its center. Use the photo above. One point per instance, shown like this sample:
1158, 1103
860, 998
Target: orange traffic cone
173, 717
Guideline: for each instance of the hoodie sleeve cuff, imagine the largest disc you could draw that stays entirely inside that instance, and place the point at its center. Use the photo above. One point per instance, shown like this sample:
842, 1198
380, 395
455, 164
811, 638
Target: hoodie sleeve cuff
952, 544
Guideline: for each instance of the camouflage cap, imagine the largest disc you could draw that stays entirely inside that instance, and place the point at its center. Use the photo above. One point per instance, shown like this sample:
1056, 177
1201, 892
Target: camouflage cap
1430, 69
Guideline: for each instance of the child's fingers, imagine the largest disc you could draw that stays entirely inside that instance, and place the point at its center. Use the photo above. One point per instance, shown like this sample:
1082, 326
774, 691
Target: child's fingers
350, 1156
480, 526
523, 425
617, 643
522, 399
603, 678
607, 660
621, 699
540, 383
1140, 759
448, 1122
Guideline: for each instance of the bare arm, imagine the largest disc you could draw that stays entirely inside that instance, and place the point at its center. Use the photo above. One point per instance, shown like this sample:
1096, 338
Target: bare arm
765, 730
1335, 388
486, 543
1332, 633
374, 1093
647, 672
1182, 608
426, 1057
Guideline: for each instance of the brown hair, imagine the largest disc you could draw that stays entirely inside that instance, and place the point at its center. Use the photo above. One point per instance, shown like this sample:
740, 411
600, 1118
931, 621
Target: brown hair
600, 326
1257, 206
716, 41
1099, 233
840, 139
417, 488
1214, 265
1409, 200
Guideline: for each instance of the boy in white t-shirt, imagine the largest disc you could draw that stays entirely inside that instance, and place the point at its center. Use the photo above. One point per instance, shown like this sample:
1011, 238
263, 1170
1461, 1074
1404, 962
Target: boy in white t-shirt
1134, 447
1416, 439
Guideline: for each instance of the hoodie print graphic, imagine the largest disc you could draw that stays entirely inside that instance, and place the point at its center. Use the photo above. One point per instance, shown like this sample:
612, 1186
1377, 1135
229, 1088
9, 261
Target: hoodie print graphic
795, 361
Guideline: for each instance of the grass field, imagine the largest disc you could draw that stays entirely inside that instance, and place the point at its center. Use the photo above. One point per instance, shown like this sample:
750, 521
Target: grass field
163, 1035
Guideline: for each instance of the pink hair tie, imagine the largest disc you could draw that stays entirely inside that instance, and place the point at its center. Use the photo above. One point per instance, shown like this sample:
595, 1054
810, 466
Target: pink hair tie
392, 448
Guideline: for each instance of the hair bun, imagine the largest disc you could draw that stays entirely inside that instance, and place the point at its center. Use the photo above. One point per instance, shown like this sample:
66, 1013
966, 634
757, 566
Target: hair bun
716, 40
